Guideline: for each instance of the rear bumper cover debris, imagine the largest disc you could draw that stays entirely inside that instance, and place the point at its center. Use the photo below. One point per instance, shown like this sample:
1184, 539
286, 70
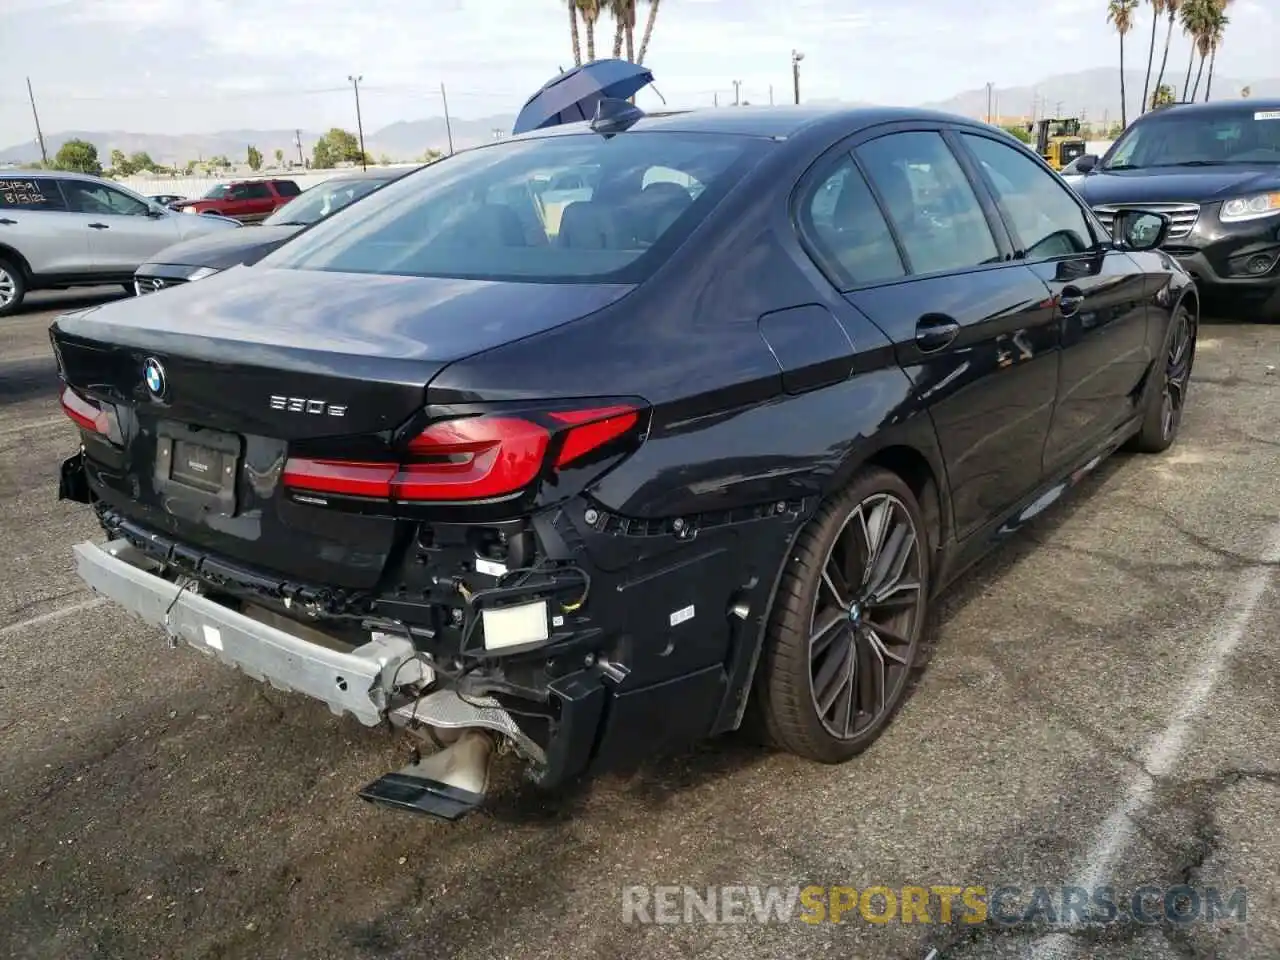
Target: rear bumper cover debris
358, 681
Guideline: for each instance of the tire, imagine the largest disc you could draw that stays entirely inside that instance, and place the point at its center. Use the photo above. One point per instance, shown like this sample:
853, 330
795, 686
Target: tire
1167, 393
798, 677
13, 288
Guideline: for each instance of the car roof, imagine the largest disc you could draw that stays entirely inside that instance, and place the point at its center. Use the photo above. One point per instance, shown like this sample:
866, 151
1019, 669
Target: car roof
776, 122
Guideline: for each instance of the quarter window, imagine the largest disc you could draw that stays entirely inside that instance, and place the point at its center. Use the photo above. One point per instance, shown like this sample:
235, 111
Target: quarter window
930, 202
846, 231
1048, 222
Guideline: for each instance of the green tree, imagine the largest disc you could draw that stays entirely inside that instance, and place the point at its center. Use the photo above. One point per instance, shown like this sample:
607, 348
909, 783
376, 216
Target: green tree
79, 156
120, 165
322, 157
1157, 10
1019, 131
1219, 25
648, 30
431, 156
343, 144
573, 32
279, 157
142, 161
1120, 15
624, 19
1171, 8
1162, 96
254, 158
189, 169
1197, 23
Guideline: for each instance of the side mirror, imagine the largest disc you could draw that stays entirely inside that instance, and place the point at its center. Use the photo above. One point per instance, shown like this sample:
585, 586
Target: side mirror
1086, 163
1139, 230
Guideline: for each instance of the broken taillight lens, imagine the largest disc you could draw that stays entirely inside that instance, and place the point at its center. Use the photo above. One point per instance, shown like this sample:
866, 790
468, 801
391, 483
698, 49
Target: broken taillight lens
86, 414
484, 457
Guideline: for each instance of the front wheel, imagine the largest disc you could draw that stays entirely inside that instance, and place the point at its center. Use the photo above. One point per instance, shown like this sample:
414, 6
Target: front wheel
846, 630
1167, 396
13, 288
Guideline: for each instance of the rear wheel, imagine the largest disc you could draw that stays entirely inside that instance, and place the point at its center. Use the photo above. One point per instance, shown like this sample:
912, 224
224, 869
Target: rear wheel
13, 288
846, 631
1167, 397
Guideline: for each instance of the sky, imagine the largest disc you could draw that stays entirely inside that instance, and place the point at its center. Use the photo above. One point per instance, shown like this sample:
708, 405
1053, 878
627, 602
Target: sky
196, 66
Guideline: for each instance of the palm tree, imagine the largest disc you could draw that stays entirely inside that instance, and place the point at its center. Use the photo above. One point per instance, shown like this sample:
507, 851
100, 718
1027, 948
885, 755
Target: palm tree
1171, 8
590, 10
1220, 21
624, 16
1157, 8
1196, 20
1120, 13
573, 32
648, 29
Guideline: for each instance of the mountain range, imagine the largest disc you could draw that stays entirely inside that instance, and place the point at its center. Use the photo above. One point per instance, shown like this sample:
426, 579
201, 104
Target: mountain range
1093, 95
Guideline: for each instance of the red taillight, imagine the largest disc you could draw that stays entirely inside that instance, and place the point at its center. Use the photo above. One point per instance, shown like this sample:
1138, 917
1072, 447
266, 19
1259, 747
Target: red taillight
470, 458
85, 413
592, 429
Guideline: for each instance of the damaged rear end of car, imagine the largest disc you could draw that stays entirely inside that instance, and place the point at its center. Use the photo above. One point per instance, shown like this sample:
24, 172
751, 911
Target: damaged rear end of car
283, 487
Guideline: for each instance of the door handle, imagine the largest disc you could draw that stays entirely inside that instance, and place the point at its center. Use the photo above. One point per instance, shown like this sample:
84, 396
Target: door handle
1070, 301
6, 222
99, 226
934, 331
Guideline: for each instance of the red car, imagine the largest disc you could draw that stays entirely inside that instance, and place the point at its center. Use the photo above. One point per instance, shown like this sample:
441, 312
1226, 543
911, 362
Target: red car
243, 200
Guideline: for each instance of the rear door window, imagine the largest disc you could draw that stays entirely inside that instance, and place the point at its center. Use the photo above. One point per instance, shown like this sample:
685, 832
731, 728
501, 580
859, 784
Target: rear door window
31, 193
287, 188
930, 201
563, 208
845, 230
101, 200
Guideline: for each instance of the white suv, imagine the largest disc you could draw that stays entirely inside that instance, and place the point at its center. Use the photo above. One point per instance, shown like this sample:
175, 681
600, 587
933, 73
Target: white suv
60, 230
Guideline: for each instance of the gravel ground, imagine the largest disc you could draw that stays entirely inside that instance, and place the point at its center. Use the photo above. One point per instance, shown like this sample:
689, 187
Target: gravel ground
1101, 708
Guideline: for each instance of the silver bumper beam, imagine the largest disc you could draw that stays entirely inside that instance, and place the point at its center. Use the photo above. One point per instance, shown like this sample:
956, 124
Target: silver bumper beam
358, 681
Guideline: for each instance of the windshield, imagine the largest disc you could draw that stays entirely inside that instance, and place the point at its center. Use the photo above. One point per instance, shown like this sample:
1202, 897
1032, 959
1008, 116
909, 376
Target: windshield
320, 201
1198, 139
564, 208
216, 192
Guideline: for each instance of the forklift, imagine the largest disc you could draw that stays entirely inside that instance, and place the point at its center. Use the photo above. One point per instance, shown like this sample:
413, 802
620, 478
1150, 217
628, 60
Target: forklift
1058, 140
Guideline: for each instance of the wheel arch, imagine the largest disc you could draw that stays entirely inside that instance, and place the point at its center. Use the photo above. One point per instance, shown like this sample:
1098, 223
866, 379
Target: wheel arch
17, 259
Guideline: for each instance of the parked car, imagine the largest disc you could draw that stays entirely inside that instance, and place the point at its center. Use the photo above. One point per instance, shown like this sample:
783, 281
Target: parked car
245, 200
672, 465
1214, 170
166, 199
60, 230
205, 256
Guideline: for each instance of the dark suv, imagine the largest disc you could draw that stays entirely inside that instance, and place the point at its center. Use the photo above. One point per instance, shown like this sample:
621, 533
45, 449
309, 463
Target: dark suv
1214, 170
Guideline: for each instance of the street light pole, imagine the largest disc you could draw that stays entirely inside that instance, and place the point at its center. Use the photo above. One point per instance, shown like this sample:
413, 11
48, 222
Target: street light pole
796, 57
44, 157
990, 87
355, 82
737, 99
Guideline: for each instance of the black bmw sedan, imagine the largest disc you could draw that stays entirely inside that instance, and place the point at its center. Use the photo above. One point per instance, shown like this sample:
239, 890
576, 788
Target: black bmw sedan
1214, 170
603, 470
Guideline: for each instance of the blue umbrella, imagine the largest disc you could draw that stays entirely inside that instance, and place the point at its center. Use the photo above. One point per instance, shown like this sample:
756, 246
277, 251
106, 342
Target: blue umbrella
574, 94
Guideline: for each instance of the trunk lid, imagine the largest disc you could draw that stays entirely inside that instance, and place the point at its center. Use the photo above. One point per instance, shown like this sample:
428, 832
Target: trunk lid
247, 366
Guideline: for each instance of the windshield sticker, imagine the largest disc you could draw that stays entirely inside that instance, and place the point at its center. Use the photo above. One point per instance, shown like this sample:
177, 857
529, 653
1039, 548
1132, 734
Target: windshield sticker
1267, 115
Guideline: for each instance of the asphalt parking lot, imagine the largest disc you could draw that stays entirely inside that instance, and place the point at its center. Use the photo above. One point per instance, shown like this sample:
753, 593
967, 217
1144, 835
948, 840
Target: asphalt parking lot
1100, 711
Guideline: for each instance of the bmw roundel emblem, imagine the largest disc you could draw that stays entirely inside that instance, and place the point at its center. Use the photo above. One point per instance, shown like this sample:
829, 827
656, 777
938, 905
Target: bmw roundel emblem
153, 375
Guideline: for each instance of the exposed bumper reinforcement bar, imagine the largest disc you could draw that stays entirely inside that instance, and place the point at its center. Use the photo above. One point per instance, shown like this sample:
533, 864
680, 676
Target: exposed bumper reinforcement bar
358, 681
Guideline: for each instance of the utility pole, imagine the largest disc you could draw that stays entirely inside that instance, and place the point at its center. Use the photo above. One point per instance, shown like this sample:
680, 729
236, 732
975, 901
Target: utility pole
355, 82
771, 94
44, 157
297, 142
737, 100
1058, 112
448, 129
989, 89
796, 57
715, 98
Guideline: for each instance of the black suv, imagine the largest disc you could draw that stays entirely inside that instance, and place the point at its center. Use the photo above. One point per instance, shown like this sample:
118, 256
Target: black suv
1214, 169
